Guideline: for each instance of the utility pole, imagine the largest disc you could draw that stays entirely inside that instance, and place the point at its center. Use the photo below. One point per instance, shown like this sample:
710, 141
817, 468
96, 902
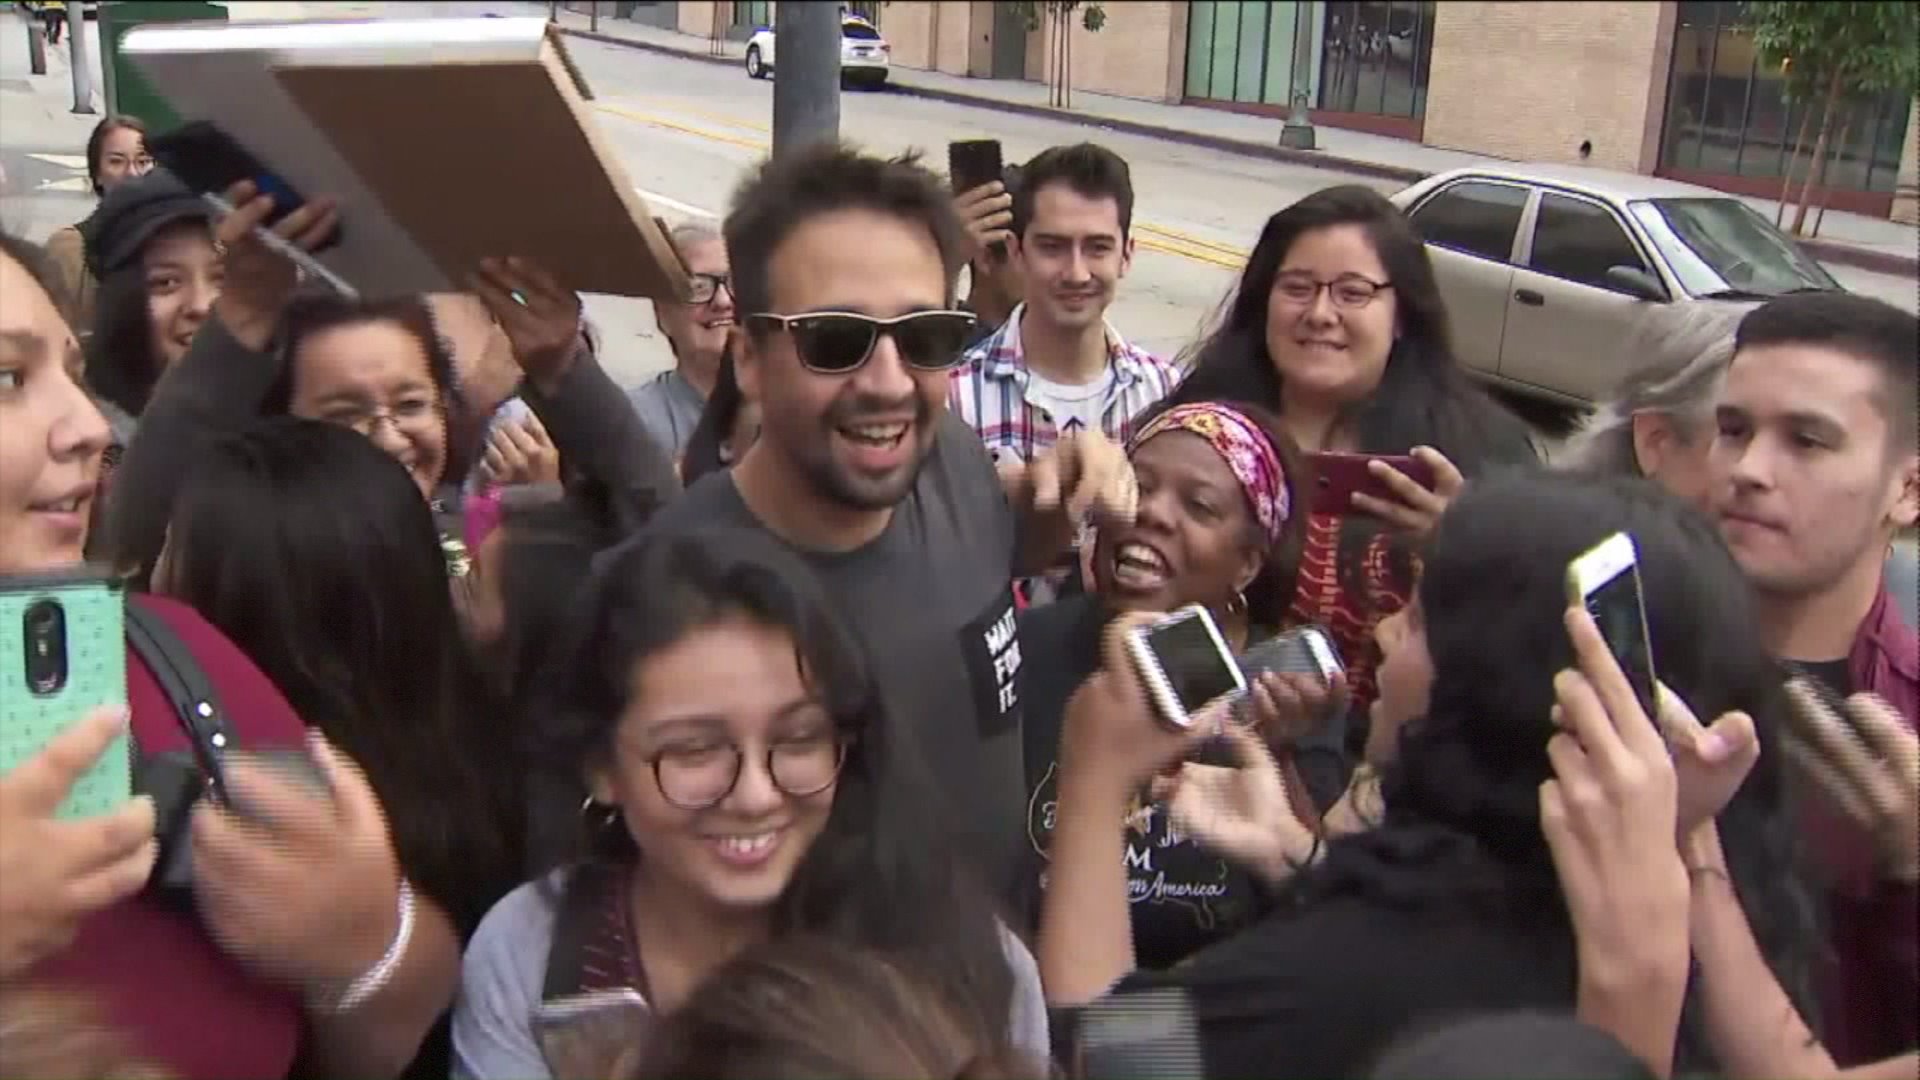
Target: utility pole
806, 79
1298, 132
77, 44
593, 16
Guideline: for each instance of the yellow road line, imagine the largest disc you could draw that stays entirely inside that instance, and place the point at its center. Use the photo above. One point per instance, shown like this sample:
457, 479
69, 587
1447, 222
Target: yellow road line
717, 118
657, 121
1197, 241
1154, 237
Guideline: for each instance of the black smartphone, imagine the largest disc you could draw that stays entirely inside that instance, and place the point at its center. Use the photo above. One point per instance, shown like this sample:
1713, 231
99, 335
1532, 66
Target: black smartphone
209, 161
973, 162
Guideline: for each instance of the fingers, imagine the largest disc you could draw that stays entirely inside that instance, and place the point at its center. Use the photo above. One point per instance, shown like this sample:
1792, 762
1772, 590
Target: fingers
353, 796
1879, 724
1406, 488
96, 844
37, 786
988, 198
1043, 480
117, 879
1629, 725
274, 800
1839, 789
1822, 731
1570, 859
517, 436
1447, 479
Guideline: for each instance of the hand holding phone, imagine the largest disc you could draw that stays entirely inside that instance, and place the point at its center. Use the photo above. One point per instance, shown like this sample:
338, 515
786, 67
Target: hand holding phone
980, 195
54, 871
1184, 664
1605, 582
263, 264
1408, 491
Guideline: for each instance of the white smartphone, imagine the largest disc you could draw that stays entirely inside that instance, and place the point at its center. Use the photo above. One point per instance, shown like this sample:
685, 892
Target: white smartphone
1185, 663
1303, 650
1606, 581
586, 1034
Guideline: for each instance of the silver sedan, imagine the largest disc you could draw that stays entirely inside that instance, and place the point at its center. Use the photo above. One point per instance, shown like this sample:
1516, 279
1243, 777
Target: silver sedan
1547, 269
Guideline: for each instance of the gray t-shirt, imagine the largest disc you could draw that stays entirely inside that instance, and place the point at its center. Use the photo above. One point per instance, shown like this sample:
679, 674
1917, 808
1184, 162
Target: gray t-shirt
669, 409
505, 970
932, 600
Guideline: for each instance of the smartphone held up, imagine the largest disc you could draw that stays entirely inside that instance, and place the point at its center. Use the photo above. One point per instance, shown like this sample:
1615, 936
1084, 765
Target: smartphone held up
1184, 663
1606, 581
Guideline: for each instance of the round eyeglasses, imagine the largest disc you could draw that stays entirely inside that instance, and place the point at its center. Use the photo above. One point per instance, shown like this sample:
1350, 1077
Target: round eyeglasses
700, 775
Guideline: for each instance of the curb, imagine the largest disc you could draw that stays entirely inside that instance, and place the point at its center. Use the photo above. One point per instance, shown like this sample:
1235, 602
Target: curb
1879, 262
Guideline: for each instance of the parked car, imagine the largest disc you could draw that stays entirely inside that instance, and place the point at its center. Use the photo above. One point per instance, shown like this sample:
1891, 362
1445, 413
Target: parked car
1546, 269
865, 56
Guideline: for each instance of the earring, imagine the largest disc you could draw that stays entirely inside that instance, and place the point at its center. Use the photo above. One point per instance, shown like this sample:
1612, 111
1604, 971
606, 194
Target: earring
598, 816
1237, 605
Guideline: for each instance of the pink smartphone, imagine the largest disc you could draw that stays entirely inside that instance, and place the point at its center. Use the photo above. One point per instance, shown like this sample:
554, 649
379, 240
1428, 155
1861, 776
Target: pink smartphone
1339, 477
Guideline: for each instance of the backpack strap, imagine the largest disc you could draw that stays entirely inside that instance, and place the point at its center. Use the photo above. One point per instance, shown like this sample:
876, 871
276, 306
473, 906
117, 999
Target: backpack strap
588, 925
186, 685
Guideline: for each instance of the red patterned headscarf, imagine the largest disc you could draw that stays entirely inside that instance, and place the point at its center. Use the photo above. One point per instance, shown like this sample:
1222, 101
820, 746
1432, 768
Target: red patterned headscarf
1245, 448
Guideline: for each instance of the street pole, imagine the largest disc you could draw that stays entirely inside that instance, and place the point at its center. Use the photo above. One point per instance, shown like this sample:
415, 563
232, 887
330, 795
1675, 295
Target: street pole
806, 81
77, 46
1297, 134
593, 16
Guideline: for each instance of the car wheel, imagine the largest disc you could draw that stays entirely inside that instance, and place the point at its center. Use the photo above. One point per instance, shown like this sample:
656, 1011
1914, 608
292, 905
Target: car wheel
755, 69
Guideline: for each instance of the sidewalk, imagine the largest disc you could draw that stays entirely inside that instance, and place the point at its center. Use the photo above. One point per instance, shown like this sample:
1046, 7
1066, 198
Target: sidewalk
1850, 239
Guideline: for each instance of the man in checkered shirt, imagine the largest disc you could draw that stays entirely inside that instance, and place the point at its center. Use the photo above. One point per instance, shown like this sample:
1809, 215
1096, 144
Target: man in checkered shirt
1056, 366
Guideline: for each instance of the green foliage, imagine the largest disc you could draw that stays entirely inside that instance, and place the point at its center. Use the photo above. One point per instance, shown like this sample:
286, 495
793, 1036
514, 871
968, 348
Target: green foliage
1093, 15
1872, 45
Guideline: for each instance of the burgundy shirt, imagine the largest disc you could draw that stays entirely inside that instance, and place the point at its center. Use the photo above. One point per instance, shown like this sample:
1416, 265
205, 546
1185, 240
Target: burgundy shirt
184, 1004
1872, 982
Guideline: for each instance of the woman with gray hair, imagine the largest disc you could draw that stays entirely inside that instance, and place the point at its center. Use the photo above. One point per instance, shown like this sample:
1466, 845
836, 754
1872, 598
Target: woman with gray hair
697, 330
1659, 421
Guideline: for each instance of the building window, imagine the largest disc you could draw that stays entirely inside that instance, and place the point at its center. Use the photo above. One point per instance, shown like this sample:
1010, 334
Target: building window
1727, 118
1376, 56
1367, 58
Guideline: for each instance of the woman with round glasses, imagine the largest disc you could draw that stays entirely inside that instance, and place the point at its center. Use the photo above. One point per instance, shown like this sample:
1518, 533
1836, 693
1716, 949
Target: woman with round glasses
1337, 326
746, 784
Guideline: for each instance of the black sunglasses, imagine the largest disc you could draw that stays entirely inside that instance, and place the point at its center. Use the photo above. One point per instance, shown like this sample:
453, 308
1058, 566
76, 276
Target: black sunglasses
836, 342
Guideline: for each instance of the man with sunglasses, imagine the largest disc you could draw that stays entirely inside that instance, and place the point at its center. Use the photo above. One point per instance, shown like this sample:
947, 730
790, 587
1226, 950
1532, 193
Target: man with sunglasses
845, 267
696, 330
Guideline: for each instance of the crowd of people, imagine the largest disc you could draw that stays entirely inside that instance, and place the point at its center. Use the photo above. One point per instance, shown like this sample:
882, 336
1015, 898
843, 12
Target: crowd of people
776, 718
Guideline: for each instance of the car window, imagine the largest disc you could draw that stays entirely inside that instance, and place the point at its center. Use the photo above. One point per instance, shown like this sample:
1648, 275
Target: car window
859, 31
1579, 241
1716, 243
1473, 217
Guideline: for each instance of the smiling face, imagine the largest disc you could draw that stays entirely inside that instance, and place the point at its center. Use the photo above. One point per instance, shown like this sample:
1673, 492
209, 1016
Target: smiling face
699, 332
1326, 353
1807, 481
51, 436
184, 278
856, 438
374, 377
1072, 257
1193, 541
732, 686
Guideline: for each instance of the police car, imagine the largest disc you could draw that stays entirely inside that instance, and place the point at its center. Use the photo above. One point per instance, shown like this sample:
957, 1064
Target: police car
864, 54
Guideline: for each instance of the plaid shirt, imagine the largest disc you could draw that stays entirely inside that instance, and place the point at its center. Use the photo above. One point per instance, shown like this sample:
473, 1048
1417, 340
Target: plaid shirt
989, 391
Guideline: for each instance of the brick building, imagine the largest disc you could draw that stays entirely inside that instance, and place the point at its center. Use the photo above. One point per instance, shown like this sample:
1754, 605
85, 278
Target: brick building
1650, 86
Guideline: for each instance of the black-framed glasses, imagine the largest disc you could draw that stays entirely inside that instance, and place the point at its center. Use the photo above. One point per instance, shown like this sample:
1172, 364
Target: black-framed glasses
836, 342
700, 776
702, 288
1347, 290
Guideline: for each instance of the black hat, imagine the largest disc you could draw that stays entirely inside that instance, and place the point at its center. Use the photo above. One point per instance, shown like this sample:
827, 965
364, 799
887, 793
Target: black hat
132, 212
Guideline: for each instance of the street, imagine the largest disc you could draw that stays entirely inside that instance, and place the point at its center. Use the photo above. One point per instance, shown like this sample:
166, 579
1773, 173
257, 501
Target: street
687, 131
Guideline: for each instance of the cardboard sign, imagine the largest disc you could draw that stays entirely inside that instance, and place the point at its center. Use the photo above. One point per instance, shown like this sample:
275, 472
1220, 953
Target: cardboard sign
445, 141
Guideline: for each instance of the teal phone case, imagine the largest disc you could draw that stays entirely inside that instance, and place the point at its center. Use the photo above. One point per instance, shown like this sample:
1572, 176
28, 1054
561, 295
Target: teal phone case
96, 646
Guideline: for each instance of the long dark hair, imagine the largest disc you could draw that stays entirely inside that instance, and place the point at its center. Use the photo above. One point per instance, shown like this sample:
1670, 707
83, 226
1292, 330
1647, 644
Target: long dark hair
123, 360
705, 450
1424, 399
312, 549
315, 312
878, 876
1462, 801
